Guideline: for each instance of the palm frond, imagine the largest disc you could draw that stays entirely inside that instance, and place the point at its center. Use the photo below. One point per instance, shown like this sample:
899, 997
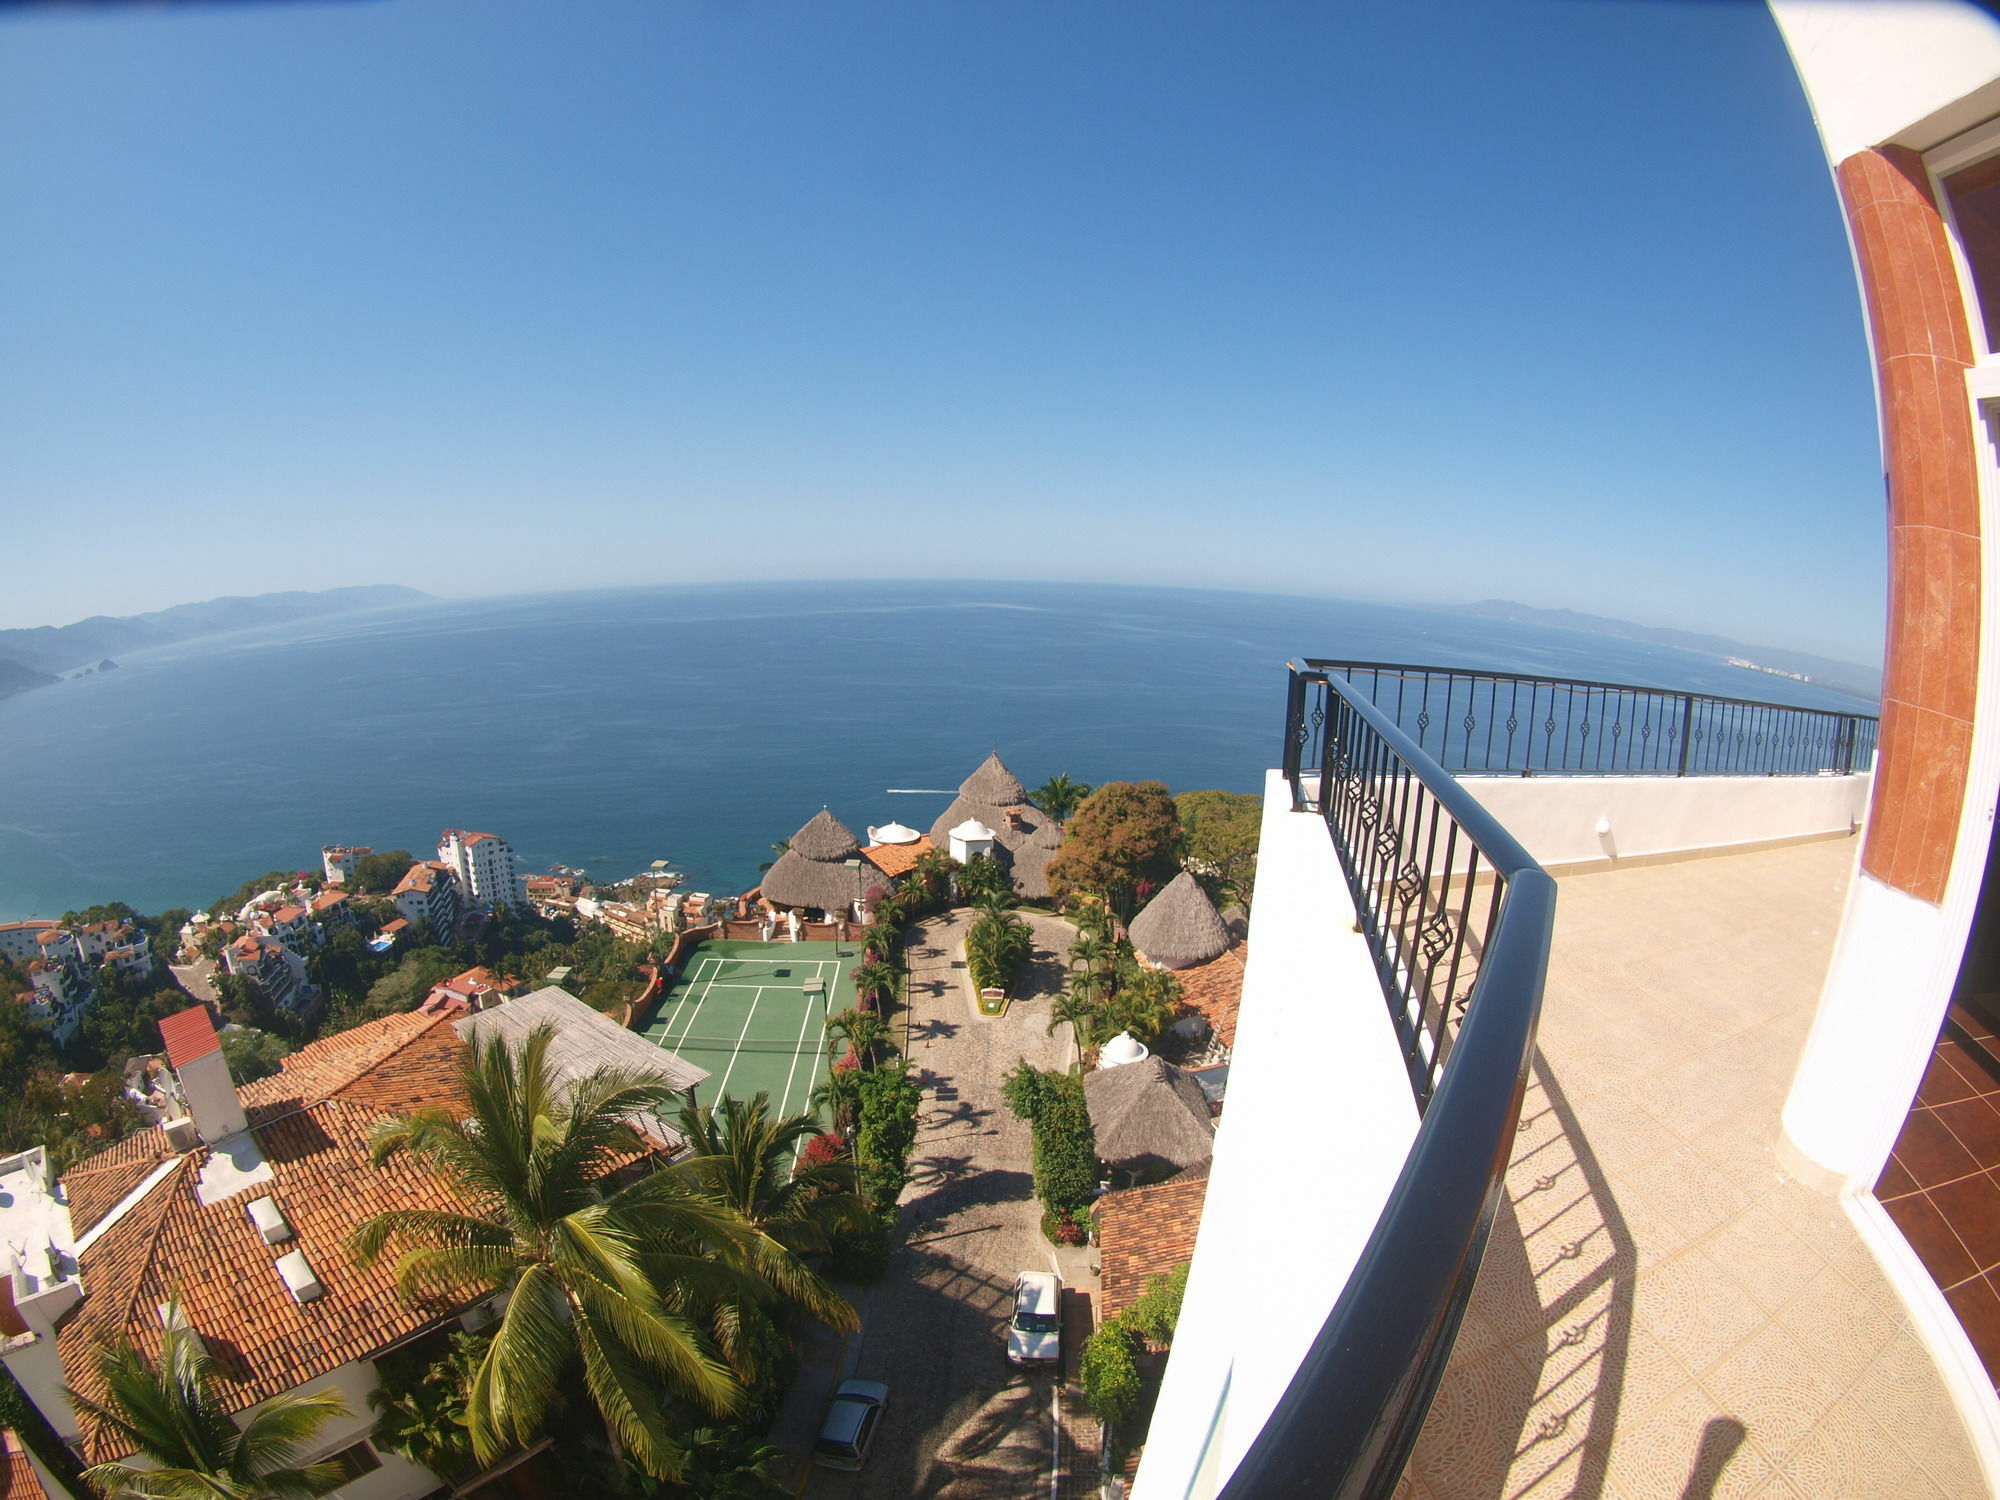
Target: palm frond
626, 1398
515, 1382
283, 1427
369, 1239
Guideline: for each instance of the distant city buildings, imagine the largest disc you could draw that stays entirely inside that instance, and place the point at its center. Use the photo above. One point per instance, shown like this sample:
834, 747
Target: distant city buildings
483, 864
338, 860
427, 897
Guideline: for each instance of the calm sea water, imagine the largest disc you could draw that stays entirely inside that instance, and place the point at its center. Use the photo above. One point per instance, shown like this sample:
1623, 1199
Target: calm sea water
697, 725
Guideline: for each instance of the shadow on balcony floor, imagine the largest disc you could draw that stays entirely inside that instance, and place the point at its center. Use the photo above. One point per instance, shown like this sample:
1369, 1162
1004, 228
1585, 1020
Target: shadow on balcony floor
1661, 1313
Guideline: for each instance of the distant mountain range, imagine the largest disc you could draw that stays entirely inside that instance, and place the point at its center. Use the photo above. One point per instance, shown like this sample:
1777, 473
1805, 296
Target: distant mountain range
31, 658
1841, 676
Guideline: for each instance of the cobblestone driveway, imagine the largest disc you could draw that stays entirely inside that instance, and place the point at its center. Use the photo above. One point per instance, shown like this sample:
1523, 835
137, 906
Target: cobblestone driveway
962, 1422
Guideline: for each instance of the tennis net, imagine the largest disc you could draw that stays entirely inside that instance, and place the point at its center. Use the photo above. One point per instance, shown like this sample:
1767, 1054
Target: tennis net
743, 1044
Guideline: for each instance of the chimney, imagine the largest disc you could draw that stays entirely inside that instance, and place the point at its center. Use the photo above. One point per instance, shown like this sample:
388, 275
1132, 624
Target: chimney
194, 1052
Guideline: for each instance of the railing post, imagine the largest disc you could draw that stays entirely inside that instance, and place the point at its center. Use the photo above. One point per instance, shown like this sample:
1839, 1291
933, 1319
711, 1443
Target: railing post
1295, 718
1687, 730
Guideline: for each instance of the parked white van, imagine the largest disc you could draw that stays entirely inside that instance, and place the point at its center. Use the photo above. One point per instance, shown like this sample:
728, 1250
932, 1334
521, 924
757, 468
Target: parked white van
1034, 1333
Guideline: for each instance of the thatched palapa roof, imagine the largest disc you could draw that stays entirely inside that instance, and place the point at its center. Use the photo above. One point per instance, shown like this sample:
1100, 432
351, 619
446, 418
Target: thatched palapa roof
1180, 927
822, 869
1024, 836
586, 1040
1148, 1115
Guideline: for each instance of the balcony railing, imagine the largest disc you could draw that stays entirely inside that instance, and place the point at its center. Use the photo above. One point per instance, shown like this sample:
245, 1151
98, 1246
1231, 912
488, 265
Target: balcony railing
1501, 723
1458, 918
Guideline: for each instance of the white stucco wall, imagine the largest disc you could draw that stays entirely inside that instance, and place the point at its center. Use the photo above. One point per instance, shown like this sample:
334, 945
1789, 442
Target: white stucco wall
1319, 1121
1912, 72
1556, 817
398, 1478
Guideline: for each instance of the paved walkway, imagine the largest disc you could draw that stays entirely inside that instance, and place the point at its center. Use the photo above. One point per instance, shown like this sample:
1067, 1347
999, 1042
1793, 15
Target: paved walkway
1661, 1313
962, 1422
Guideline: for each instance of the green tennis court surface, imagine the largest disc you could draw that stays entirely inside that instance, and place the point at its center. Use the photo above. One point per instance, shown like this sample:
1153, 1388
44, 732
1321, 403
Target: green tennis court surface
754, 1015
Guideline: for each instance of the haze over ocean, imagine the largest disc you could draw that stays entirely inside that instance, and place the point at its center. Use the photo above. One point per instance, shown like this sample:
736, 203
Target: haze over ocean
698, 724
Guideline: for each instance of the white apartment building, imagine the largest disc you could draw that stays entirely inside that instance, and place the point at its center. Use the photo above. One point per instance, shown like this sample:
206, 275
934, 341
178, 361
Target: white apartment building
484, 865
339, 860
19, 941
427, 897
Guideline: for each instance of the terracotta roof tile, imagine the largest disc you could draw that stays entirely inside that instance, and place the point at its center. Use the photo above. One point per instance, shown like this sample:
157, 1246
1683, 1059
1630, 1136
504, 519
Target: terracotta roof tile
214, 1259
21, 1481
1215, 990
1143, 1232
99, 1183
189, 1034
897, 859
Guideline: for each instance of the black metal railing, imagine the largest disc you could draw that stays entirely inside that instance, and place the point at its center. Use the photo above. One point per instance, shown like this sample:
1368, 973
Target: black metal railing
1458, 918
1504, 723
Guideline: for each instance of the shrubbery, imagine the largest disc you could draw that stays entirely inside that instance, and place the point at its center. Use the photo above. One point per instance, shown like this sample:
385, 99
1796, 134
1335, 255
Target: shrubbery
1108, 1368
1065, 1145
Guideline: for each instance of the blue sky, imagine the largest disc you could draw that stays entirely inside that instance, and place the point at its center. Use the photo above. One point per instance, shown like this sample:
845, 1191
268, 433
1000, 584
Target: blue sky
1425, 302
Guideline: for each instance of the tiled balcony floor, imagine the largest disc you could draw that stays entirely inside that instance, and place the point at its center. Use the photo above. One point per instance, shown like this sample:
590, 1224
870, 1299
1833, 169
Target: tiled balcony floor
1661, 1313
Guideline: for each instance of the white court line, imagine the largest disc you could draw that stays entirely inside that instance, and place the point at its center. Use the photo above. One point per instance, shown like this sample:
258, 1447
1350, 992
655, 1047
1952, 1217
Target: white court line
806, 1020
722, 1089
688, 1029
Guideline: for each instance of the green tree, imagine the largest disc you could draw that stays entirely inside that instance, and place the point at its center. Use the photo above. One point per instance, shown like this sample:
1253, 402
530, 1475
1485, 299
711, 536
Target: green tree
730, 1463
885, 1130
421, 1406
996, 946
1059, 796
165, 1411
1143, 1004
982, 879
1221, 831
874, 982
1065, 1147
377, 874
252, 1054
745, 1156
863, 1030
405, 986
1075, 1007
1109, 1374
1124, 842
620, 1282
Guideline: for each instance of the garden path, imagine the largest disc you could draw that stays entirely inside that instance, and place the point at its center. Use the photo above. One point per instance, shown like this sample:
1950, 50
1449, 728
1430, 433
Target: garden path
961, 1420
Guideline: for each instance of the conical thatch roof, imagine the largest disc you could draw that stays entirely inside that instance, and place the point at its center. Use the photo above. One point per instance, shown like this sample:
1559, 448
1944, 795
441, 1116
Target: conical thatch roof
1148, 1116
994, 784
1180, 927
1024, 837
825, 838
821, 869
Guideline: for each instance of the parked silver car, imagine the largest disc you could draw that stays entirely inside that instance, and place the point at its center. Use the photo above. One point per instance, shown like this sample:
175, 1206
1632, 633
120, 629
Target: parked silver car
850, 1424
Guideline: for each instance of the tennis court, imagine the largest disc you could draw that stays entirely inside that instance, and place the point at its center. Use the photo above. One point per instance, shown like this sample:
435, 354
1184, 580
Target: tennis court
754, 1015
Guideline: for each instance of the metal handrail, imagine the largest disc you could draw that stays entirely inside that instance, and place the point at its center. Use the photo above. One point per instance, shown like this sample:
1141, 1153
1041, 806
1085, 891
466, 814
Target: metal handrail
1512, 723
1352, 1412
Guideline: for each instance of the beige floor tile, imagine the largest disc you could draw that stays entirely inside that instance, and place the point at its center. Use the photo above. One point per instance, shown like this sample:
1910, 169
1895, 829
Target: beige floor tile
1661, 1312
1849, 1456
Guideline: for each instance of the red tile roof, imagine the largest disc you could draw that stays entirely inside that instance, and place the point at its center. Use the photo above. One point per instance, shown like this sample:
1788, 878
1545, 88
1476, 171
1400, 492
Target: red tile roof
189, 1034
896, 859
21, 1480
1143, 1232
1215, 990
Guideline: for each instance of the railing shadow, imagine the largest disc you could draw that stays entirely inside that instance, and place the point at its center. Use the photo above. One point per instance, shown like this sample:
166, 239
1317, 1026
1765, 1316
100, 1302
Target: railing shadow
1530, 1401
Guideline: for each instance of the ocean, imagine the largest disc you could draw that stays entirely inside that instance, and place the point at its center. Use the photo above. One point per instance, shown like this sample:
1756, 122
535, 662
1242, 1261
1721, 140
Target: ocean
695, 724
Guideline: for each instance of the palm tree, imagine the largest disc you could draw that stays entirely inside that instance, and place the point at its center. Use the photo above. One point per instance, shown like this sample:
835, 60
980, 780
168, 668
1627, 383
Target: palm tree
1059, 796
726, 1463
874, 980
840, 1097
1089, 917
621, 1281
1075, 1006
863, 1030
748, 1158
165, 1411
1087, 952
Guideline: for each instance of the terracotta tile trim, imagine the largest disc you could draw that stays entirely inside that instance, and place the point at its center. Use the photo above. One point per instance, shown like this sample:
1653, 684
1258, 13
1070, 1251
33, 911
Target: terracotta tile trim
1923, 347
